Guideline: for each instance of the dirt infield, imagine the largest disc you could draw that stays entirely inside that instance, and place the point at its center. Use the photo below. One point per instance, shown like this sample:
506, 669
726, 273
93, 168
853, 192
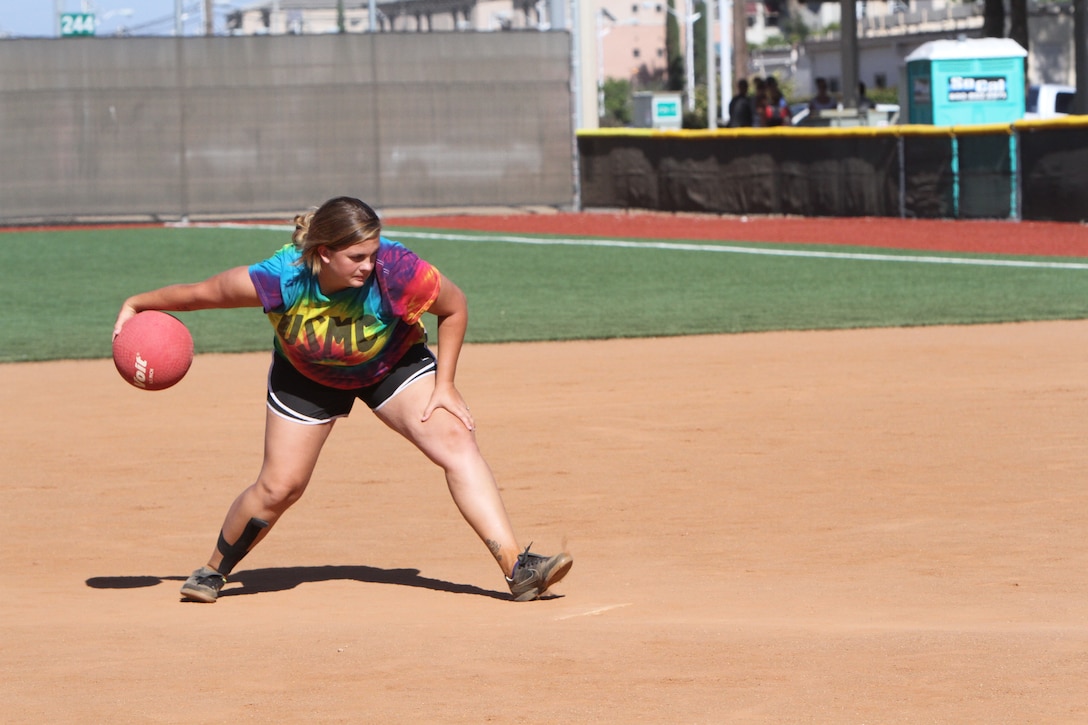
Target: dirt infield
881, 526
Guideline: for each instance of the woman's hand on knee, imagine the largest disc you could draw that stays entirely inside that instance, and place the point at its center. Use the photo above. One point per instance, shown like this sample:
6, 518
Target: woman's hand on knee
448, 397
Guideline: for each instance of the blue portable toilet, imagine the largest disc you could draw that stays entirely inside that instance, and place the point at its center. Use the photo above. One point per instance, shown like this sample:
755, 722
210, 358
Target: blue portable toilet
966, 81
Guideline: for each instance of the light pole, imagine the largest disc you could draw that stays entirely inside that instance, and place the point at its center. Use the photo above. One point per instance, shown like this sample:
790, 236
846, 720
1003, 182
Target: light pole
690, 16
689, 51
602, 15
725, 60
711, 84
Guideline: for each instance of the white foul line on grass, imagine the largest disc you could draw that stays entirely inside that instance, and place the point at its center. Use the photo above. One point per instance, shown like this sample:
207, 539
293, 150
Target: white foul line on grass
688, 247
766, 251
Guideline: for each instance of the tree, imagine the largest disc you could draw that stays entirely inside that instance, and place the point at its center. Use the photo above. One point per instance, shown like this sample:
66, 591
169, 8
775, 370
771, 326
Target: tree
674, 58
740, 45
1018, 22
617, 102
993, 20
794, 30
699, 38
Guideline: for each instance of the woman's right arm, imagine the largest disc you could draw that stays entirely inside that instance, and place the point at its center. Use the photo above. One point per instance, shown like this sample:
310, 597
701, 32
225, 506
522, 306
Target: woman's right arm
232, 288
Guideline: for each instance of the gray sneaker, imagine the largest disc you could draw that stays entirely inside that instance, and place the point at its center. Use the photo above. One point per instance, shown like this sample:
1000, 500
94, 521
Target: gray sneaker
203, 585
533, 574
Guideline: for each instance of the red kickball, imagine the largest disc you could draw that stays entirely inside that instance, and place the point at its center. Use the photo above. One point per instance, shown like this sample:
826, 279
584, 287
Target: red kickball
153, 351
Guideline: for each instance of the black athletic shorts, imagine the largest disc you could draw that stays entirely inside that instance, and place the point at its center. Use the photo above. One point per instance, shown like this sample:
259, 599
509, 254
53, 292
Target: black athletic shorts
294, 396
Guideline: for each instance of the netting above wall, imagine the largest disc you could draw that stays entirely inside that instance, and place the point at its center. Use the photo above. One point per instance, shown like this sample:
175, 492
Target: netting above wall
170, 127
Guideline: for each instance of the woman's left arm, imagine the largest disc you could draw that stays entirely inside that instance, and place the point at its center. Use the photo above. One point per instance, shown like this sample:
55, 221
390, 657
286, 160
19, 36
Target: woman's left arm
231, 288
451, 309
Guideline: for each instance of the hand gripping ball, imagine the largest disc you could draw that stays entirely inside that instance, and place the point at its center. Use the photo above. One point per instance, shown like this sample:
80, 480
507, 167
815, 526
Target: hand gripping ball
153, 351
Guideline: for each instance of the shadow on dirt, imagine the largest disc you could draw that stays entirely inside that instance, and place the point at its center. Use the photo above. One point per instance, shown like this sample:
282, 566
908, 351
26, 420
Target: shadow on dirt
259, 581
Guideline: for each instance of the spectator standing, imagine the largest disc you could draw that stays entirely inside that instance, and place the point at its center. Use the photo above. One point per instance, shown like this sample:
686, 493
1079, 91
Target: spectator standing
776, 112
864, 104
741, 107
822, 101
759, 101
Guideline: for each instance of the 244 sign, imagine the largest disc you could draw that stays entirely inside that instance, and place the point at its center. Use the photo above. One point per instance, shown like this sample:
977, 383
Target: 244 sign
76, 24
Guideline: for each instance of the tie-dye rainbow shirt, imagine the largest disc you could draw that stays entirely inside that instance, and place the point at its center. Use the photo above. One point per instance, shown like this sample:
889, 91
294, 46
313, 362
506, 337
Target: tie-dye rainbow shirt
351, 338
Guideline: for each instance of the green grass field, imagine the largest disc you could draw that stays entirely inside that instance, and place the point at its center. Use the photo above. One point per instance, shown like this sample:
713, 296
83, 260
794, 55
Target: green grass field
62, 289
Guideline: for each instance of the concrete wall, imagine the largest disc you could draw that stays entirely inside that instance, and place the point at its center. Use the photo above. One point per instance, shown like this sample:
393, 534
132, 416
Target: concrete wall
167, 127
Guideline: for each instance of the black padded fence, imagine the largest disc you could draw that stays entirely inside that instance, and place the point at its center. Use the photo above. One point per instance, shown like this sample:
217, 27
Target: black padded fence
986, 189
1054, 173
927, 180
1018, 171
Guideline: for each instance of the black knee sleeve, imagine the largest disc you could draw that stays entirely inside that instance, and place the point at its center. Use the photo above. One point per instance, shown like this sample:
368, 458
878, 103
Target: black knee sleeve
233, 553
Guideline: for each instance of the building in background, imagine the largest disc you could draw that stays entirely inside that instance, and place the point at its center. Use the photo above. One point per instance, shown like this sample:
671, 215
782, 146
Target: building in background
625, 39
630, 35
315, 17
620, 39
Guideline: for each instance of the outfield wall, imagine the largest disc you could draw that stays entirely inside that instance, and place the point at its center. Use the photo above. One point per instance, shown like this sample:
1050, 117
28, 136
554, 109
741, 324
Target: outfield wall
172, 128
1027, 170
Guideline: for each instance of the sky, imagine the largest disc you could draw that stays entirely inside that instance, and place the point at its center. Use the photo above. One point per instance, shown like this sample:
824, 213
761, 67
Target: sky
37, 18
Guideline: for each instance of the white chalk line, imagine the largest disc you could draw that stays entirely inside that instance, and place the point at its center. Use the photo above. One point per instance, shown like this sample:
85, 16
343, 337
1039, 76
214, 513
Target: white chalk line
684, 247
594, 612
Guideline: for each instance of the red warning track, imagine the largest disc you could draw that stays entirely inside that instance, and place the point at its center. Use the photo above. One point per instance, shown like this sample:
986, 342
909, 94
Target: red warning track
983, 237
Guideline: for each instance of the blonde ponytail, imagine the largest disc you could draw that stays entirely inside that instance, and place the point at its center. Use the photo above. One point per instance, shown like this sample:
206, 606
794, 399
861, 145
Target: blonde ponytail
302, 229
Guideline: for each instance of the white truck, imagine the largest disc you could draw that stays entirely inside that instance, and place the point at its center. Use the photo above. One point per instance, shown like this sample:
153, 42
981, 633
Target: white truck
1049, 100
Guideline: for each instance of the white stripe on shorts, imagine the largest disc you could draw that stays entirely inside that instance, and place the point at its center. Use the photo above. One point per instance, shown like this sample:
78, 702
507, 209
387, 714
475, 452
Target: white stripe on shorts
288, 413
